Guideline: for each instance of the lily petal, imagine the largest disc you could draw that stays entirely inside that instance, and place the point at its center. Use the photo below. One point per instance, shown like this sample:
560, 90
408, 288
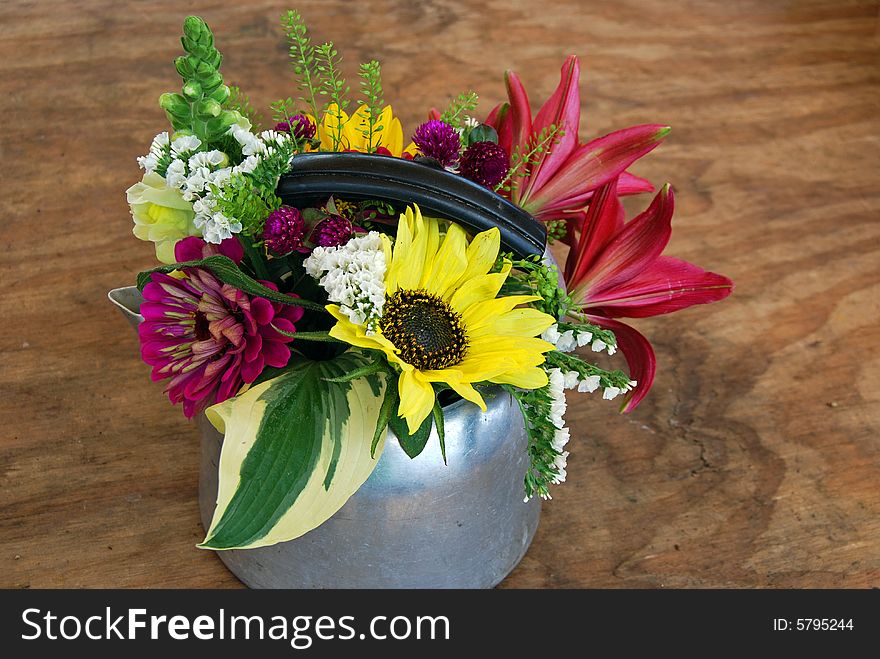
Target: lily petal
639, 356
520, 121
667, 285
593, 164
562, 109
634, 248
502, 121
602, 221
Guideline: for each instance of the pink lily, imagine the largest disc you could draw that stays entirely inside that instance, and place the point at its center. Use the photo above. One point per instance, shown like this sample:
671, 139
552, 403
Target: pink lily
616, 270
562, 179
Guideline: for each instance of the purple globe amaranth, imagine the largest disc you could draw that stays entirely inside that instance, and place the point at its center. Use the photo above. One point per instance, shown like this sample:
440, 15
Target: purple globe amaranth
284, 230
437, 139
332, 232
485, 163
299, 126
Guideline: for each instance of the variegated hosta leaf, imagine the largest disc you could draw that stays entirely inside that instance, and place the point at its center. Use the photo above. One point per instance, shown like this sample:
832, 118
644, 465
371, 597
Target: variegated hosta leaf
295, 449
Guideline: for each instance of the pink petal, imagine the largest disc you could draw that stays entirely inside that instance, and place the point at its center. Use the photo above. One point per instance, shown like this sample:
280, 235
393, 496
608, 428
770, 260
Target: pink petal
634, 248
262, 310
639, 358
520, 121
593, 164
502, 121
232, 248
667, 285
629, 184
189, 249
562, 109
276, 353
251, 369
602, 221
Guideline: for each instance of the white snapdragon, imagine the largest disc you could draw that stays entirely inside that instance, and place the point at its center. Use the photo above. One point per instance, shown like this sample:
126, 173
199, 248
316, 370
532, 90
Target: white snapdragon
353, 276
158, 149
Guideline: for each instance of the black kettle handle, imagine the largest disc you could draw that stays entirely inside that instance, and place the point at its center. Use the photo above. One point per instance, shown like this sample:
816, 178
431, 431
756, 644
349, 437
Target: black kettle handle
316, 176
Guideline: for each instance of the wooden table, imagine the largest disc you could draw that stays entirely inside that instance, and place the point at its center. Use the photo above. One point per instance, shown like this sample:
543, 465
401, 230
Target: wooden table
754, 462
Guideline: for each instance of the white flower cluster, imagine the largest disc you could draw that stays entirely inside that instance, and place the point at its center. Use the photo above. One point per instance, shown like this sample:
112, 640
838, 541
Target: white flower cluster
558, 385
215, 226
195, 172
159, 148
570, 339
353, 276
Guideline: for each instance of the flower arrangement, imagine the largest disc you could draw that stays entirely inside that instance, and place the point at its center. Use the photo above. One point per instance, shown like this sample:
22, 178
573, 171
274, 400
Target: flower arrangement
305, 332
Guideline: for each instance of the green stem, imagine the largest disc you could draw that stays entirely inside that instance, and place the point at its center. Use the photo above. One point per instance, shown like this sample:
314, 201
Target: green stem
308, 336
253, 255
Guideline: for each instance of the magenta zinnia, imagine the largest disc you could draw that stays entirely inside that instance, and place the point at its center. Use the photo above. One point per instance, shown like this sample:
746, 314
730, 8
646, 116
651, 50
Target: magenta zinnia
210, 338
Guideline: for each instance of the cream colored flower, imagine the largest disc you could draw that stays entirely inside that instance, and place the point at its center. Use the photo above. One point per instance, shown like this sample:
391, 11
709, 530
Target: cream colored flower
160, 214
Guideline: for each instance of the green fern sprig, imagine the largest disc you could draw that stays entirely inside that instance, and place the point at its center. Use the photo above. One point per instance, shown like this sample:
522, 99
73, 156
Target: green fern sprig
333, 86
371, 88
521, 159
462, 104
302, 54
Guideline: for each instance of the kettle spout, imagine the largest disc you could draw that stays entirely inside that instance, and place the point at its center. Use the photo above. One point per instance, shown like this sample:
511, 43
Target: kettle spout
128, 300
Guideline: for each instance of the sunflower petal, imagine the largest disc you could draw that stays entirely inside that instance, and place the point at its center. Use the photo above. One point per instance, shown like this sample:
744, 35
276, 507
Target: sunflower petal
448, 264
467, 392
518, 322
416, 399
482, 254
479, 289
356, 335
400, 258
484, 312
526, 378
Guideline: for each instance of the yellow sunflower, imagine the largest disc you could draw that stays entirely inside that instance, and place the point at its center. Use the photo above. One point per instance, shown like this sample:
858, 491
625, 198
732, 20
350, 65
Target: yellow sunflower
351, 134
443, 322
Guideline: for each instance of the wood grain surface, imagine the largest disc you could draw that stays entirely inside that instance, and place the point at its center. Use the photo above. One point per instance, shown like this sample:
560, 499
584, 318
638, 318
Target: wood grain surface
755, 460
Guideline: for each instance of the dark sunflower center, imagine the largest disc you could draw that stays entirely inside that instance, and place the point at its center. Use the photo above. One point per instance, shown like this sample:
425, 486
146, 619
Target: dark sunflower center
424, 328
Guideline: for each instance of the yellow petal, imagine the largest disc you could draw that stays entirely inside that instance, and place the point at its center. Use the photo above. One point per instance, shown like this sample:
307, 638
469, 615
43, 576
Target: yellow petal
479, 289
416, 398
482, 253
526, 378
391, 135
332, 127
448, 264
355, 127
484, 312
411, 265
400, 258
467, 392
518, 322
356, 335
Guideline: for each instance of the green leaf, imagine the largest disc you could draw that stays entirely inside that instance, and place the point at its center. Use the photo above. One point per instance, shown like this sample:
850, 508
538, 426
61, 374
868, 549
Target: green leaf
295, 449
413, 444
441, 431
482, 133
389, 406
226, 271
